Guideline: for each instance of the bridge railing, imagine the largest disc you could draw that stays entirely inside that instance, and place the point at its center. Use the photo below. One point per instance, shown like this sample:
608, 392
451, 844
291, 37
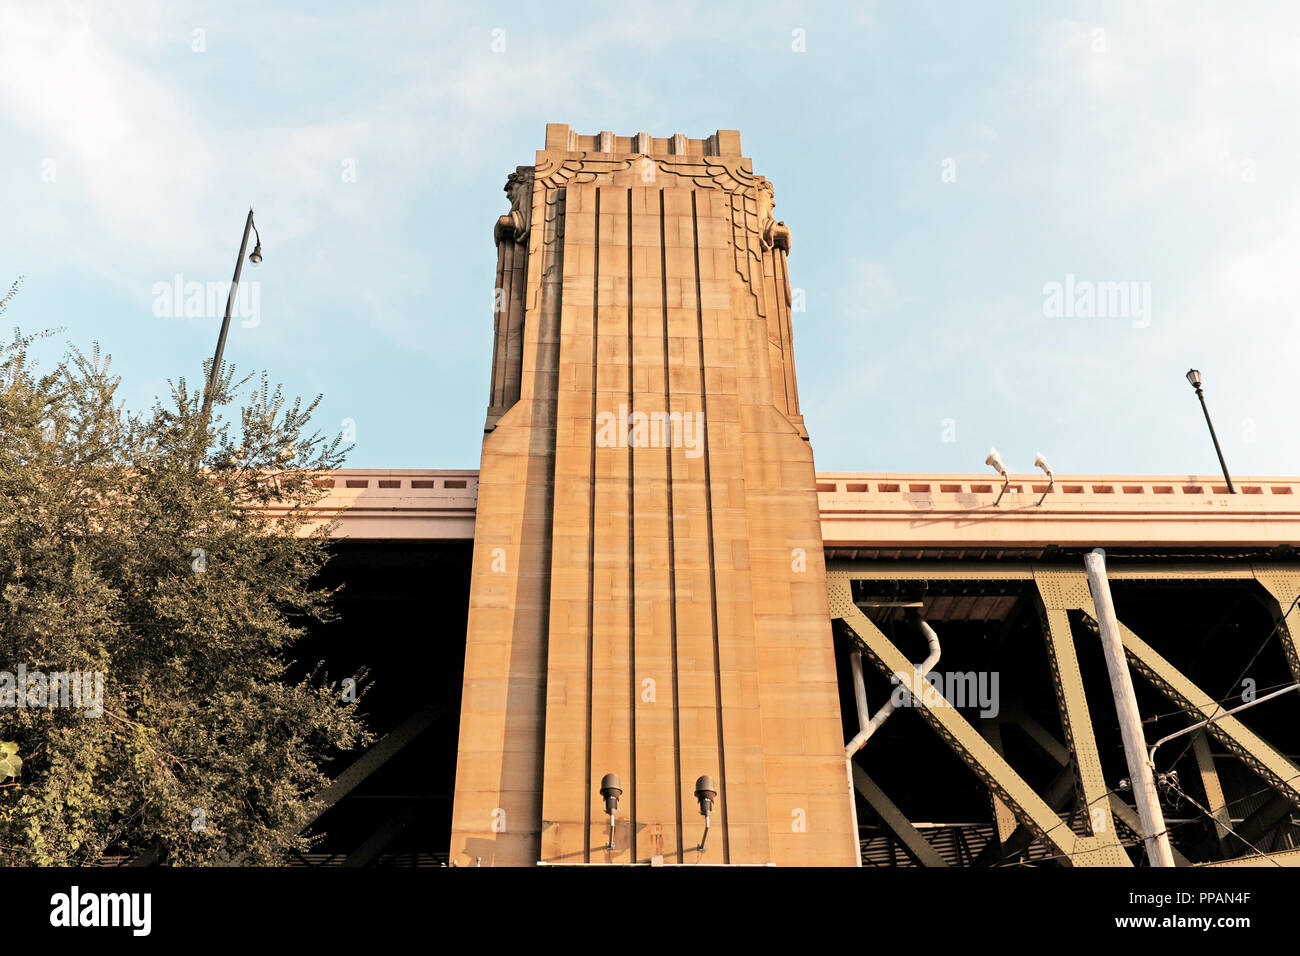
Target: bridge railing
403, 503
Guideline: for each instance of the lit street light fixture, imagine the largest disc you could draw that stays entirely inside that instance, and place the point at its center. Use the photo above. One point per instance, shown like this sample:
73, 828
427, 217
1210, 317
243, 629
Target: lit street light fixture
1194, 377
255, 257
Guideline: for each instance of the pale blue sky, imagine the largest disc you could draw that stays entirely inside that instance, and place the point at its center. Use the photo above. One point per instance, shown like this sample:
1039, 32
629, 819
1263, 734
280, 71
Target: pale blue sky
1115, 142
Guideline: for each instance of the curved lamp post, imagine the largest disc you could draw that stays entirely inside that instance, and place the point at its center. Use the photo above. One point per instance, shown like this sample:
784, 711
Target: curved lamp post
1194, 377
255, 257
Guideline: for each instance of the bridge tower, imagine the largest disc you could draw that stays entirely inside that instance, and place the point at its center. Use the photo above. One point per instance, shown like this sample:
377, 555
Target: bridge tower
649, 594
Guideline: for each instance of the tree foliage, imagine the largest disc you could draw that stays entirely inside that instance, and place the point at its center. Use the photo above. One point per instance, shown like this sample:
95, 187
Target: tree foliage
172, 553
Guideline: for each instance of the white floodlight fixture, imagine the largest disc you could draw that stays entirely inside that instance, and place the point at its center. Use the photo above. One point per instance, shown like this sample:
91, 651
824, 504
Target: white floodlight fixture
994, 461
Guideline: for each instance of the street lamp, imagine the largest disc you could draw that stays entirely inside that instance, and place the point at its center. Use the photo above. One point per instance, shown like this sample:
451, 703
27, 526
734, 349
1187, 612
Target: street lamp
254, 258
610, 791
707, 794
1194, 377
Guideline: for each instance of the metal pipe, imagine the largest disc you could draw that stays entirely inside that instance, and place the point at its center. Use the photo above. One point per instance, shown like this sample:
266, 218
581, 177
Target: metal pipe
1051, 483
1006, 483
867, 725
870, 725
859, 689
1130, 720
1151, 756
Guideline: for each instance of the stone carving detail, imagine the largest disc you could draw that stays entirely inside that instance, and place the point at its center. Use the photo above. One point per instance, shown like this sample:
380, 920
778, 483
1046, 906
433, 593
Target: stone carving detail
754, 230
553, 176
733, 177
772, 234
551, 235
516, 223
711, 172
580, 169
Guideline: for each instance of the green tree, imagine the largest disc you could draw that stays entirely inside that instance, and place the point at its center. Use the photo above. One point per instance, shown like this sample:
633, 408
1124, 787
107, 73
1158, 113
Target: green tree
173, 554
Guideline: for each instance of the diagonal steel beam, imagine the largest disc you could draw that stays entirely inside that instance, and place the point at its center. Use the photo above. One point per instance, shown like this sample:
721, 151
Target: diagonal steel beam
1240, 740
1059, 592
1263, 819
1056, 750
1030, 809
1060, 795
1282, 582
374, 758
1004, 821
1215, 802
899, 825
1036, 732
374, 845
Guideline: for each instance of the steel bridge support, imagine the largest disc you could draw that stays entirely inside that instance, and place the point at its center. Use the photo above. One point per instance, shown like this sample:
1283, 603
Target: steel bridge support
1021, 815
1030, 809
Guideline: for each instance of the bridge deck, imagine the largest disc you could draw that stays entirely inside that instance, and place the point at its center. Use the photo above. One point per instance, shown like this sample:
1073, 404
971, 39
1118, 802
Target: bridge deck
876, 515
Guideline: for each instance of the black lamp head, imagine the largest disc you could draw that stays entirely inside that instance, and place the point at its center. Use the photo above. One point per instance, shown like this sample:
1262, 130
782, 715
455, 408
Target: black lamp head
1194, 377
611, 791
707, 793
256, 256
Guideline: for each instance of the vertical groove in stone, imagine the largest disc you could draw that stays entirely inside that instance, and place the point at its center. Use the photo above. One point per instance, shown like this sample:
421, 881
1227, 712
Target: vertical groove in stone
551, 406
672, 555
787, 329
499, 324
631, 538
507, 280
708, 505
783, 326
591, 524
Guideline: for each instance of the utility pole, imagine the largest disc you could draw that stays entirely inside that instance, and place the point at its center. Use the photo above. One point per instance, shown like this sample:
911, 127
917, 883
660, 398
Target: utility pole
1130, 721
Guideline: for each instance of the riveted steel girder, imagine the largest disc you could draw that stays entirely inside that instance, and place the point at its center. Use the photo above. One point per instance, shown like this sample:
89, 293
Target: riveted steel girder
1244, 743
1282, 582
1061, 588
1060, 592
1056, 750
1030, 809
1216, 803
1004, 821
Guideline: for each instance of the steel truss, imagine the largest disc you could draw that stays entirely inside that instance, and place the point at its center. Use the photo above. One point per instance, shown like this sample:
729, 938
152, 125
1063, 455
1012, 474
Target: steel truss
1021, 815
